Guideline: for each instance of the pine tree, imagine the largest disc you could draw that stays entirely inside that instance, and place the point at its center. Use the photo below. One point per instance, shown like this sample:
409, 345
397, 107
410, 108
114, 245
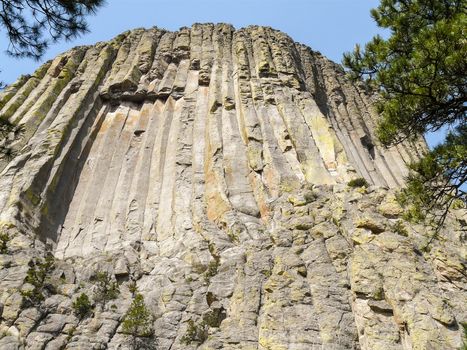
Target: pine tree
82, 306
31, 25
107, 289
420, 72
138, 319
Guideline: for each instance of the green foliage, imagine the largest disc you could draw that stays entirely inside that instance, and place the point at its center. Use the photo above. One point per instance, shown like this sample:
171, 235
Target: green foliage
138, 319
420, 72
233, 236
4, 239
213, 265
310, 196
70, 333
28, 24
4, 334
7, 151
107, 289
358, 182
37, 277
5, 128
214, 317
435, 182
132, 287
196, 333
211, 271
400, 229
464, 343
82, 306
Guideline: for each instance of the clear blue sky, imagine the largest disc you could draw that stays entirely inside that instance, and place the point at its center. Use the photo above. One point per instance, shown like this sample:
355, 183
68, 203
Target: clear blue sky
329, 26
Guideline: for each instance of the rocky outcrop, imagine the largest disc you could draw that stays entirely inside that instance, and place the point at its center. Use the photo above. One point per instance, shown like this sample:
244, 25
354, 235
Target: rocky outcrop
207, 169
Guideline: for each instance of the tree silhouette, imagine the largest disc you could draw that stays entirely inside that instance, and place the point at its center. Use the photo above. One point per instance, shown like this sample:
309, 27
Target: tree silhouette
420, 74
31, 25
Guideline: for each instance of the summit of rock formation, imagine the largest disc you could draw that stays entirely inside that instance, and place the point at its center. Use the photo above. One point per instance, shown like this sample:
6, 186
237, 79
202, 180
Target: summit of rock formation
207, 170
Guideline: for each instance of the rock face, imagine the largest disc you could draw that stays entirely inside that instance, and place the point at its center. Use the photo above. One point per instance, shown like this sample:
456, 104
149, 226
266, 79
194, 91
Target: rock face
207, 169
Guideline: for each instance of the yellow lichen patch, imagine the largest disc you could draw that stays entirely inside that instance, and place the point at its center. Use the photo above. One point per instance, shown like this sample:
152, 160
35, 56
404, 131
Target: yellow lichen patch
33, 197
32, 119
316, 174
369, 223
323, 138
16, 101
11, 90
389, 207
361, 236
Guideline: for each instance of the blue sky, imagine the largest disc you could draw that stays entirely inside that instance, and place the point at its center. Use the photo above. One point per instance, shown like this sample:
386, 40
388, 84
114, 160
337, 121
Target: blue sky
329, 26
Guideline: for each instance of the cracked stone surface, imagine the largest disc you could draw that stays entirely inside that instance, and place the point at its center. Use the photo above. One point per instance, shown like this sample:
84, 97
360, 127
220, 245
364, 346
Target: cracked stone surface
209, 166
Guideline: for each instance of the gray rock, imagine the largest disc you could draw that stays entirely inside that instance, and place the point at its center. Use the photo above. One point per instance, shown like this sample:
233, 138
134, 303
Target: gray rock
206, 169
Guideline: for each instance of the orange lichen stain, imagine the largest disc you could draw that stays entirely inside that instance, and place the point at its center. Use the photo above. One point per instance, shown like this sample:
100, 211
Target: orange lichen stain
106, 123
272, 179
217, 202
259, 194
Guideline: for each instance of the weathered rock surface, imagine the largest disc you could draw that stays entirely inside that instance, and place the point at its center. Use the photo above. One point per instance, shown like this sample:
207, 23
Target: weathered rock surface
209, 166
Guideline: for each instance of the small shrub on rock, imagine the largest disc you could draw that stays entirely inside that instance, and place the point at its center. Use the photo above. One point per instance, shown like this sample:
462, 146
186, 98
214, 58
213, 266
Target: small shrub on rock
310, 196
464, 343
358, 182
400, 229
36, 276
70, 333
82, 306
196, 333
214, 317
107, 289
4, 239
138, 319
211, 271
132, 288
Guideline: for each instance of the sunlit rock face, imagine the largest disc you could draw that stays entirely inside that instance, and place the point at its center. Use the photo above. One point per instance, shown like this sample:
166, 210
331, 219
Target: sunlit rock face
210, 166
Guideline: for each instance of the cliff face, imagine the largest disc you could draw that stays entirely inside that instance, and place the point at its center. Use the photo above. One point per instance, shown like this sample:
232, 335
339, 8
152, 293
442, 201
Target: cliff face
209, 166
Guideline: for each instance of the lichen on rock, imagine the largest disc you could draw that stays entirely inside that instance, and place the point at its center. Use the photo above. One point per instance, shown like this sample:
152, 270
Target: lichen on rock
206, 171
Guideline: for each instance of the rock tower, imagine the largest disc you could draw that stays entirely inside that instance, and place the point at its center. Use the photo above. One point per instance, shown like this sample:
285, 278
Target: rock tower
207, 170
